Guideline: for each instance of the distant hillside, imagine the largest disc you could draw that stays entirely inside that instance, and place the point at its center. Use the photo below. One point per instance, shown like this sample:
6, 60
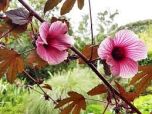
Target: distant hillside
138, 27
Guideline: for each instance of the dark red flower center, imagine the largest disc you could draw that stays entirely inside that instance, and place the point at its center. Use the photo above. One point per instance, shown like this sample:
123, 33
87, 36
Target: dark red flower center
118, 53
45, 45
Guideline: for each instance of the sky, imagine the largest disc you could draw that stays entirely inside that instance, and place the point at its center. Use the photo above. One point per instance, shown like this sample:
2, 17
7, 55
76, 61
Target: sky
129, 10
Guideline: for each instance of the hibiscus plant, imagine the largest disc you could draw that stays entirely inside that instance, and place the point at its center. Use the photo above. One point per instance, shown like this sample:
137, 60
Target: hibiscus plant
52, 44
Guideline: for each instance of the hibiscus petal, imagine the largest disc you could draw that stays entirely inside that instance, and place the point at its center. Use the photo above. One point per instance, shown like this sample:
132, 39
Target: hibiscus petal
105, 48
43, 30
62, 42
55, 56
41, 51
51, 55
136, 51
67, 39
58, 28
39, 41
128, 68
114, 66
124, 38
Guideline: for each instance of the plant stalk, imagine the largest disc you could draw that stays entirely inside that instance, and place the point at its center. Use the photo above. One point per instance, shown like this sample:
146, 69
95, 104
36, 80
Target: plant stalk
104, 80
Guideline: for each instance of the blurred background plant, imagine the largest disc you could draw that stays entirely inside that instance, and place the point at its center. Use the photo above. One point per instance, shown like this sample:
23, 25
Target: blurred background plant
12, 98
63, 83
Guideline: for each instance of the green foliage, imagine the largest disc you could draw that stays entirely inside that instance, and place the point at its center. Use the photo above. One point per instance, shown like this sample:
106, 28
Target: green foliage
17, 109
83, 33
37, 105
146, 61
137, 27
146, 36
96, 109
12, 99
80, 80
144, 104
106, 22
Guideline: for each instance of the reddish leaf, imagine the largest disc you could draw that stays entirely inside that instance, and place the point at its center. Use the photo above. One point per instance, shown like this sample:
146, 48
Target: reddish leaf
50, 4
144, 70
67, 109
76, 110
130, 96
67, 6
19, 16
63, 102
19, 29
142, 80
4, 5
80, 4
8, 27
137, 78
77, 102
17, 21
47, 86
3, 29
98, 90
11, 63
90, 51
120, 88
35, 61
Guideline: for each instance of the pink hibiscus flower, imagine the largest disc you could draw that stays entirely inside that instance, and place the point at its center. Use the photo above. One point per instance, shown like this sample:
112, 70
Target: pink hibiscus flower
53, 42
122, 53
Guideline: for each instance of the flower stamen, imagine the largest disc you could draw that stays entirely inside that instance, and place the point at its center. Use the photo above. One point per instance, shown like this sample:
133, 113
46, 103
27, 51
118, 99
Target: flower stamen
118, 53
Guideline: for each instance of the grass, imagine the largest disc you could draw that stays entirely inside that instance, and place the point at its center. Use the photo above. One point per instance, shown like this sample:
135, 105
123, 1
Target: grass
15, 100
12, 99
96, 109
81, 80
144, 104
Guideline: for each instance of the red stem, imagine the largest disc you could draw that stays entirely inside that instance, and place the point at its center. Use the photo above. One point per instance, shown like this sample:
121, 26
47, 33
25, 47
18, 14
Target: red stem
91, 28
86, 61
31, 10
10, 30
29, 76
91, 23
104, 80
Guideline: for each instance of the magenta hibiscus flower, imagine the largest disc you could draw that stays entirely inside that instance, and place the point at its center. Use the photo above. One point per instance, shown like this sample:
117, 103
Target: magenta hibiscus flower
122, 53
53, 42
